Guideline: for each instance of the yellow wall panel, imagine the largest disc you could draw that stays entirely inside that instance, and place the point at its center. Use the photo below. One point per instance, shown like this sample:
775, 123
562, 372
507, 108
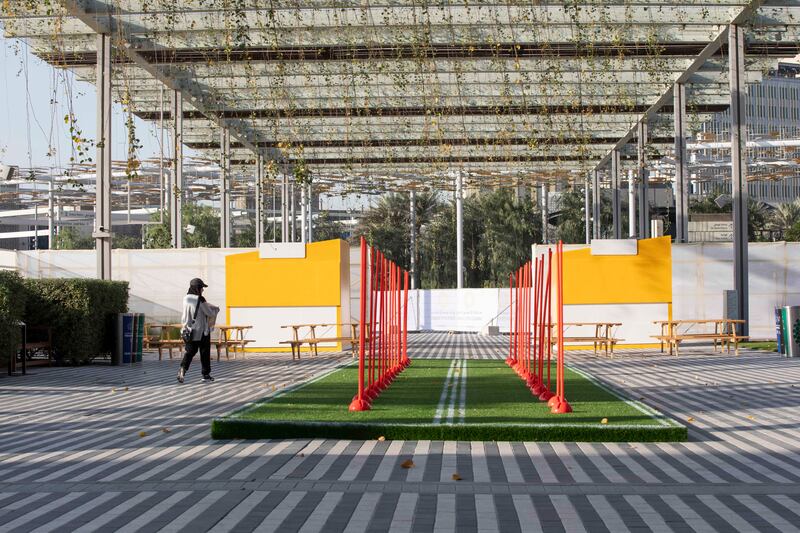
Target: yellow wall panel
312, 281
609, 279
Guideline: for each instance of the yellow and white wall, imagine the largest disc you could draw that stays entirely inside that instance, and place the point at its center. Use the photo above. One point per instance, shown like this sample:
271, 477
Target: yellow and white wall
289, 283
624, 281
699, 275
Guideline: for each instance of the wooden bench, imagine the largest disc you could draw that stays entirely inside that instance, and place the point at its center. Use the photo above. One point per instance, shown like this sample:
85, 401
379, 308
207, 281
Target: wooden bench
602, 337
161, 340
231, 337
38, 341
296, 342
723, 335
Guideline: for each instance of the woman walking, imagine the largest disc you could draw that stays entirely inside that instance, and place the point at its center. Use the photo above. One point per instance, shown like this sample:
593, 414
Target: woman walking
198, 320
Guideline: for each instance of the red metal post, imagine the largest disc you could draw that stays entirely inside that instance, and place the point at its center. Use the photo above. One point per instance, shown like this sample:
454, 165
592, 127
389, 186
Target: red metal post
372, 317
405, 320
360, 402
399, 337
546, 393
510, 318
562, 406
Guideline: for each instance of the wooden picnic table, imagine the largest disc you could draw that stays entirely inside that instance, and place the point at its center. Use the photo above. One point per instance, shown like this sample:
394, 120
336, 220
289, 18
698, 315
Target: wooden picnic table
229, 336
724, 333
602, 338
313, 341
232, 336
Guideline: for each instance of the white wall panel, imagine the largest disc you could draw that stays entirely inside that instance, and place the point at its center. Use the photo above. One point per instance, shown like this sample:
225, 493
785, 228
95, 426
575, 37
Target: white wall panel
636, 319
267, 321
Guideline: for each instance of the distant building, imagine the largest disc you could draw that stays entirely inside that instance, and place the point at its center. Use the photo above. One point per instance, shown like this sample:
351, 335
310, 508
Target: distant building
773, 112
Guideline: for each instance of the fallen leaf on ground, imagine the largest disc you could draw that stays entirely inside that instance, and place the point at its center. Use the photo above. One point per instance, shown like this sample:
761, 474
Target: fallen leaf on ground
408, 463
142, 433
604, 421
456, 477
381, 438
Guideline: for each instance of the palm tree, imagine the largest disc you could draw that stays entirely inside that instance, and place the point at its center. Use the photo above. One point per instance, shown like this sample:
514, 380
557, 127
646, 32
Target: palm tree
388, 224
786, 216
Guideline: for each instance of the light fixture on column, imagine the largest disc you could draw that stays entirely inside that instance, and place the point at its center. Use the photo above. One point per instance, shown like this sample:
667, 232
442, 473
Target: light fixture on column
7, 172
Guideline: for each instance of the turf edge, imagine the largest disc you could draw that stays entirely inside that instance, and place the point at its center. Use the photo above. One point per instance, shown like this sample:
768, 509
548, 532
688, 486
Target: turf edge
231, 428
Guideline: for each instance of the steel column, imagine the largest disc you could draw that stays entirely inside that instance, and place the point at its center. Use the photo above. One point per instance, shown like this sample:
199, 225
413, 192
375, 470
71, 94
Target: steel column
681, 165
259, 199
739, 171
310, 203
224, 188
631, 204
162, 188
285, 207
459, 232
586, 210
615, 203
412, 200
596, 196
303, 212
644, 202
176, 191
102, 206
292, 213
50, 215
544, 207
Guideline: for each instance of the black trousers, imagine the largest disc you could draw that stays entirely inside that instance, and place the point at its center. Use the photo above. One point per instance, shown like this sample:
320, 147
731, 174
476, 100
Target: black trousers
204, 346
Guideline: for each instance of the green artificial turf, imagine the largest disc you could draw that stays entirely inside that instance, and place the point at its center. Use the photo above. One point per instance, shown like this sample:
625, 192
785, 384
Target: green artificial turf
498, 407
767, 346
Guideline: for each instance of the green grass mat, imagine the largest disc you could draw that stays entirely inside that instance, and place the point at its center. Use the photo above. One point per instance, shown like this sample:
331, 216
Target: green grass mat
767, 346
496, 405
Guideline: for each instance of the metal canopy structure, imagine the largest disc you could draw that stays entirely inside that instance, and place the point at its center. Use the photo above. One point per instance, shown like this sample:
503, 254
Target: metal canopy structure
529, 91
410, 93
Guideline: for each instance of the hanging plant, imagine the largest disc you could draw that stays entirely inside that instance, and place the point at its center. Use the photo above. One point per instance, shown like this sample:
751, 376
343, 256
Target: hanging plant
302, 174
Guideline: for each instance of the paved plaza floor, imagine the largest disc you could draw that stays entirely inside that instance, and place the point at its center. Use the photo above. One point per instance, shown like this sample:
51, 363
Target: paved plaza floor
102, 448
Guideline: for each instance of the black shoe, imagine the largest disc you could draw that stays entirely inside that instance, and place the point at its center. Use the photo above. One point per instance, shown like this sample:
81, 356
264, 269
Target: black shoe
208, 379
181, 374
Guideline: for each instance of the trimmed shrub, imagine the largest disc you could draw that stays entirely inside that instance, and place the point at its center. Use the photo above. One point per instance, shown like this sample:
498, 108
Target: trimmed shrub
12, 310
81, 313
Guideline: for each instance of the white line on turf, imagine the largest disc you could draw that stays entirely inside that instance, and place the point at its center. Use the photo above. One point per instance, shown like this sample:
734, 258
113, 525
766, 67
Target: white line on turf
462, 401
453, 391
437, 417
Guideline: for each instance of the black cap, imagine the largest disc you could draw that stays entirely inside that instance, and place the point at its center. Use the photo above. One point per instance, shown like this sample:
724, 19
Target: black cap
197, 282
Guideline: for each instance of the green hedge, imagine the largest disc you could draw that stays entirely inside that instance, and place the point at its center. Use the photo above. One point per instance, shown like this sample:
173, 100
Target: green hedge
12, 310
80, 313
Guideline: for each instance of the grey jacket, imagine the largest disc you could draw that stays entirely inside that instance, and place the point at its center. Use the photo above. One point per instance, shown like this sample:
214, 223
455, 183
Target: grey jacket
206, 317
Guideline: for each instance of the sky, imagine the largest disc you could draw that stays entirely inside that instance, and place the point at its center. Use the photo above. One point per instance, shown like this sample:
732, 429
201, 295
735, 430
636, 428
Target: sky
35, 97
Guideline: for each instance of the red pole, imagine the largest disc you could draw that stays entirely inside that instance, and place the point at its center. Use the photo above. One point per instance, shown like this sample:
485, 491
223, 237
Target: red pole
510, 318
528, 294
546, 393
405, 320
382, 335
395, 318
360, 403
372, 319
390, 321
562, 406
533, 380
520, 320
399, 354
517, 320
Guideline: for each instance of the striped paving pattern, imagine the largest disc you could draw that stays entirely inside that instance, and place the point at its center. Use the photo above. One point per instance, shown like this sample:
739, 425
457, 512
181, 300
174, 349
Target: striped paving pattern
126, 449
